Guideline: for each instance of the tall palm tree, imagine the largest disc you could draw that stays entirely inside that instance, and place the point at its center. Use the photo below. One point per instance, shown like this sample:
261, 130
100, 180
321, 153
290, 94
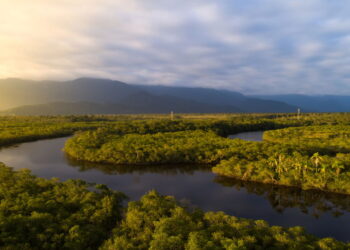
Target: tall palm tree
316, 159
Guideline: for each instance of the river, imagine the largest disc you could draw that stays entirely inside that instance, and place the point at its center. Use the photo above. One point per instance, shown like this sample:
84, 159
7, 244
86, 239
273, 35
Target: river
322, 214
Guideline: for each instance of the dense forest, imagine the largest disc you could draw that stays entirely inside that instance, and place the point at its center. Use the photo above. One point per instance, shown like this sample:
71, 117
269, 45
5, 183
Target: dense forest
16, 129
310, 157
36, 213
324, 139
307, 152
310, 151
170, 147
317, 158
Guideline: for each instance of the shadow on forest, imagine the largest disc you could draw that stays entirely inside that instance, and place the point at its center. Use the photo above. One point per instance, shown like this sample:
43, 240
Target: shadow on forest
311, 202
308, 201
111, 169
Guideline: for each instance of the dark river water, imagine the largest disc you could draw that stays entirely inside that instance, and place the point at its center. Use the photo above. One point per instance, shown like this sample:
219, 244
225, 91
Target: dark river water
322, 214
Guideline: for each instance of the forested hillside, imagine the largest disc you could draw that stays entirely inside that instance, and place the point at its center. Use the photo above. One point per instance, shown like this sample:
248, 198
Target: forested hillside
102, 96
319, 103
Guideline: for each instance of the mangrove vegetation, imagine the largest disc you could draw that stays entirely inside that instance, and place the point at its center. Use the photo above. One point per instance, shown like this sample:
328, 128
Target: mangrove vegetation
310, 152
308, 157
36, 213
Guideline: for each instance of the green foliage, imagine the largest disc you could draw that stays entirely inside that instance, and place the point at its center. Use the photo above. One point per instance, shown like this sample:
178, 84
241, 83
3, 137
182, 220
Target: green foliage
16, 129
314, 157
280, 160
21, 129
160, 222
46, 214
324, 139
36, 213
172, 147
316, 172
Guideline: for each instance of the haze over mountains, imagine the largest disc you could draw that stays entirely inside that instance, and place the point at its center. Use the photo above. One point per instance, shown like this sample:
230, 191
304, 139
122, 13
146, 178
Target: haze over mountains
102, 96
317, 103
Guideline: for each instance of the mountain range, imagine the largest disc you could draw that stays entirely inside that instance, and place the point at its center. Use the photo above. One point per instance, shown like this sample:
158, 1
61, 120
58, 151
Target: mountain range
317, 103
103, 96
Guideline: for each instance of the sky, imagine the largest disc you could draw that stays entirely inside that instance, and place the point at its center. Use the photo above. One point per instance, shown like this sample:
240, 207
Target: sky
250, 46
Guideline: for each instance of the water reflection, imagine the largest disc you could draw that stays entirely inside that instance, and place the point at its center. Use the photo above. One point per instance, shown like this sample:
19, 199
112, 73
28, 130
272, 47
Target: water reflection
248, 136
310, 202
322, 214
137, 169
280, 198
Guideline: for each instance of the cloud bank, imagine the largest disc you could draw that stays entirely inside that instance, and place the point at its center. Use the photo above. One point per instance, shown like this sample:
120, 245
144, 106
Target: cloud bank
255, 47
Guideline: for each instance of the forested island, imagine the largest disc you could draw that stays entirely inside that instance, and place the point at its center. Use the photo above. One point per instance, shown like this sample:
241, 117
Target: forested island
309, 157
310, 152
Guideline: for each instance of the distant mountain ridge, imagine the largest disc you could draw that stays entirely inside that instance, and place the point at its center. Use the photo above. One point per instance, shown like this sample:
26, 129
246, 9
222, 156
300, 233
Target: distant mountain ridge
222, 97
94, 96
17, 92
84, 108
317, 103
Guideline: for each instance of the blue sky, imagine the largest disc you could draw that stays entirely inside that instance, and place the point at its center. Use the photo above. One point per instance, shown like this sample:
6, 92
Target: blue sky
250, 46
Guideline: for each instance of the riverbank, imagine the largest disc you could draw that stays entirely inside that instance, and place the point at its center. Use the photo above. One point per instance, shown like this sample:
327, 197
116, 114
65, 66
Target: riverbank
76, 215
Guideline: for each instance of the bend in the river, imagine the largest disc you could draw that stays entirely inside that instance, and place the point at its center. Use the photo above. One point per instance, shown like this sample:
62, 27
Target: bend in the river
323, 214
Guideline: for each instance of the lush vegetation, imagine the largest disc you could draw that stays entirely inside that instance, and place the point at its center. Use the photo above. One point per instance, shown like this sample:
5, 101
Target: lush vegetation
312, 202
36, 213
312, 157
16, 129
21, 129
312, 153
171, 147
159, 222
324, 139
315, 172
315, 157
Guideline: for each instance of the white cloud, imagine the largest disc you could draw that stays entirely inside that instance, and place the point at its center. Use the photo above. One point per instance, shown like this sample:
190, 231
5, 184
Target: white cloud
253, 46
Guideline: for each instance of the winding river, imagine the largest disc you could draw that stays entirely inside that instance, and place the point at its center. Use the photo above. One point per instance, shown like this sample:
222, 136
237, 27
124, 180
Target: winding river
322, 214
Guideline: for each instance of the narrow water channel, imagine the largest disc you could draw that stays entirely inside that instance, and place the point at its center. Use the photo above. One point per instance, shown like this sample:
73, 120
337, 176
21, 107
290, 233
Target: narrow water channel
322, 214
